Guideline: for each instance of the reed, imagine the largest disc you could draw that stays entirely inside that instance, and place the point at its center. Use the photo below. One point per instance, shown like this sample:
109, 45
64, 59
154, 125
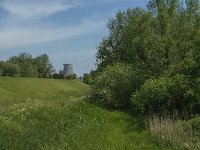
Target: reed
172, 132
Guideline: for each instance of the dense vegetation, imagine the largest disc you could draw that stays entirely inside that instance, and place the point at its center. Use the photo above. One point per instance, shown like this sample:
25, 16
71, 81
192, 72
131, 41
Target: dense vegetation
155, 53
25, 65
150, 61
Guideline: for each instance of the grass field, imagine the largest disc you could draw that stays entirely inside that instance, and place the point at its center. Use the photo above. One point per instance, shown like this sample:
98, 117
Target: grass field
15, 90
54, 115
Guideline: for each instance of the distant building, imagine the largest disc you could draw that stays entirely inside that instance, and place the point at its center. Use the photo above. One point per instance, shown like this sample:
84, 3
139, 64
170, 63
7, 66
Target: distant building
68, 69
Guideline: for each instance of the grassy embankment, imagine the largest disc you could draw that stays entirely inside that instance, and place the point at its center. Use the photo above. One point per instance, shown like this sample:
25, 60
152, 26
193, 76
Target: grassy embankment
16, 90
51, 114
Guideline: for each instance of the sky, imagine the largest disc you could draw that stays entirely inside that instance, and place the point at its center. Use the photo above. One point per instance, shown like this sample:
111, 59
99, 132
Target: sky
68, 31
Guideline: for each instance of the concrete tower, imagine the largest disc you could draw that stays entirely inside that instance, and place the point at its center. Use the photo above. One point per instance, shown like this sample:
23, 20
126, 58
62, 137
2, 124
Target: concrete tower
68, 69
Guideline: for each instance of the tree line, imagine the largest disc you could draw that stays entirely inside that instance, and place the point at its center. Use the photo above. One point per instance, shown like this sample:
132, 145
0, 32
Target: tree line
24, 65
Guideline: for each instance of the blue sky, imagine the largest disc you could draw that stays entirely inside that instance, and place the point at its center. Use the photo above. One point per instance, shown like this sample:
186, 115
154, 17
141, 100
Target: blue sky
67, 30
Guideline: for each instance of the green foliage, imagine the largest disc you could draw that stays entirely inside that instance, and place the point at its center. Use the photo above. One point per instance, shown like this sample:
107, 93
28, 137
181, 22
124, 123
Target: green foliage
29, 66
87, 79
161, 42
114, 86
156, 38
74, 76
25, 62
1, 67
11, 70
45, 68
192, 130
71, 77
166, 94
59, 75
133, 39
193, 125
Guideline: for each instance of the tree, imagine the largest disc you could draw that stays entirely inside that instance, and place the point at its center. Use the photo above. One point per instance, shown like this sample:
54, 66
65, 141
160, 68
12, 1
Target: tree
11, 70
59, 75
132, 39
166, 95
114, 86
153, 39
45, 68
87, 78
1, 67
25, 62
32, 67
71, 77
160, 41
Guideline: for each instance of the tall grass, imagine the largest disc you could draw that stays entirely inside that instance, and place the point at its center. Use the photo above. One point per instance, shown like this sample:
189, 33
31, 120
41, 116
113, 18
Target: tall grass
172, 132
70, 124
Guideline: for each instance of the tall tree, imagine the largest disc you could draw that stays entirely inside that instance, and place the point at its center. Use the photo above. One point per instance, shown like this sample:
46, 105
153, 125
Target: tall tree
11, 70
25, 62
44, 66
1, 67
153, 39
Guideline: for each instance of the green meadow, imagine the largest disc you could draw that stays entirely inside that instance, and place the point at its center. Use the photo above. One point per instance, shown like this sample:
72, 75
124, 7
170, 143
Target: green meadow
51, 114
15, 90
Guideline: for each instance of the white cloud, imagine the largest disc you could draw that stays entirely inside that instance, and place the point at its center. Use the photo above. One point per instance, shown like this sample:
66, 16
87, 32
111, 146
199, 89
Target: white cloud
13, 37
34, 9
20, 28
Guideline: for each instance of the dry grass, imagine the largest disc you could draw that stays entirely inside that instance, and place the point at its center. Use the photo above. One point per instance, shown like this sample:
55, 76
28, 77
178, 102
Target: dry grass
171, 132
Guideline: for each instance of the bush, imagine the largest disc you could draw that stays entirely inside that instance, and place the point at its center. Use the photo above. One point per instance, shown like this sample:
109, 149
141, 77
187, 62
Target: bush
11, 70
193, 125
166, 94
114, 85
71, 77
87, 79
59, 75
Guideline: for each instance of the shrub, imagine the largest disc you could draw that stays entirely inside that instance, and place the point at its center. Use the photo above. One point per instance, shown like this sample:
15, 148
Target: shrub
59, 75
193, 125
10, 69
114, 85
1, 67
166, 94
87, 79
71, 77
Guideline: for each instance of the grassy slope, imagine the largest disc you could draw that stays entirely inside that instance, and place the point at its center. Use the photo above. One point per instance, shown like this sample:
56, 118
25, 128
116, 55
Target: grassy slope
64, 121
19, 89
